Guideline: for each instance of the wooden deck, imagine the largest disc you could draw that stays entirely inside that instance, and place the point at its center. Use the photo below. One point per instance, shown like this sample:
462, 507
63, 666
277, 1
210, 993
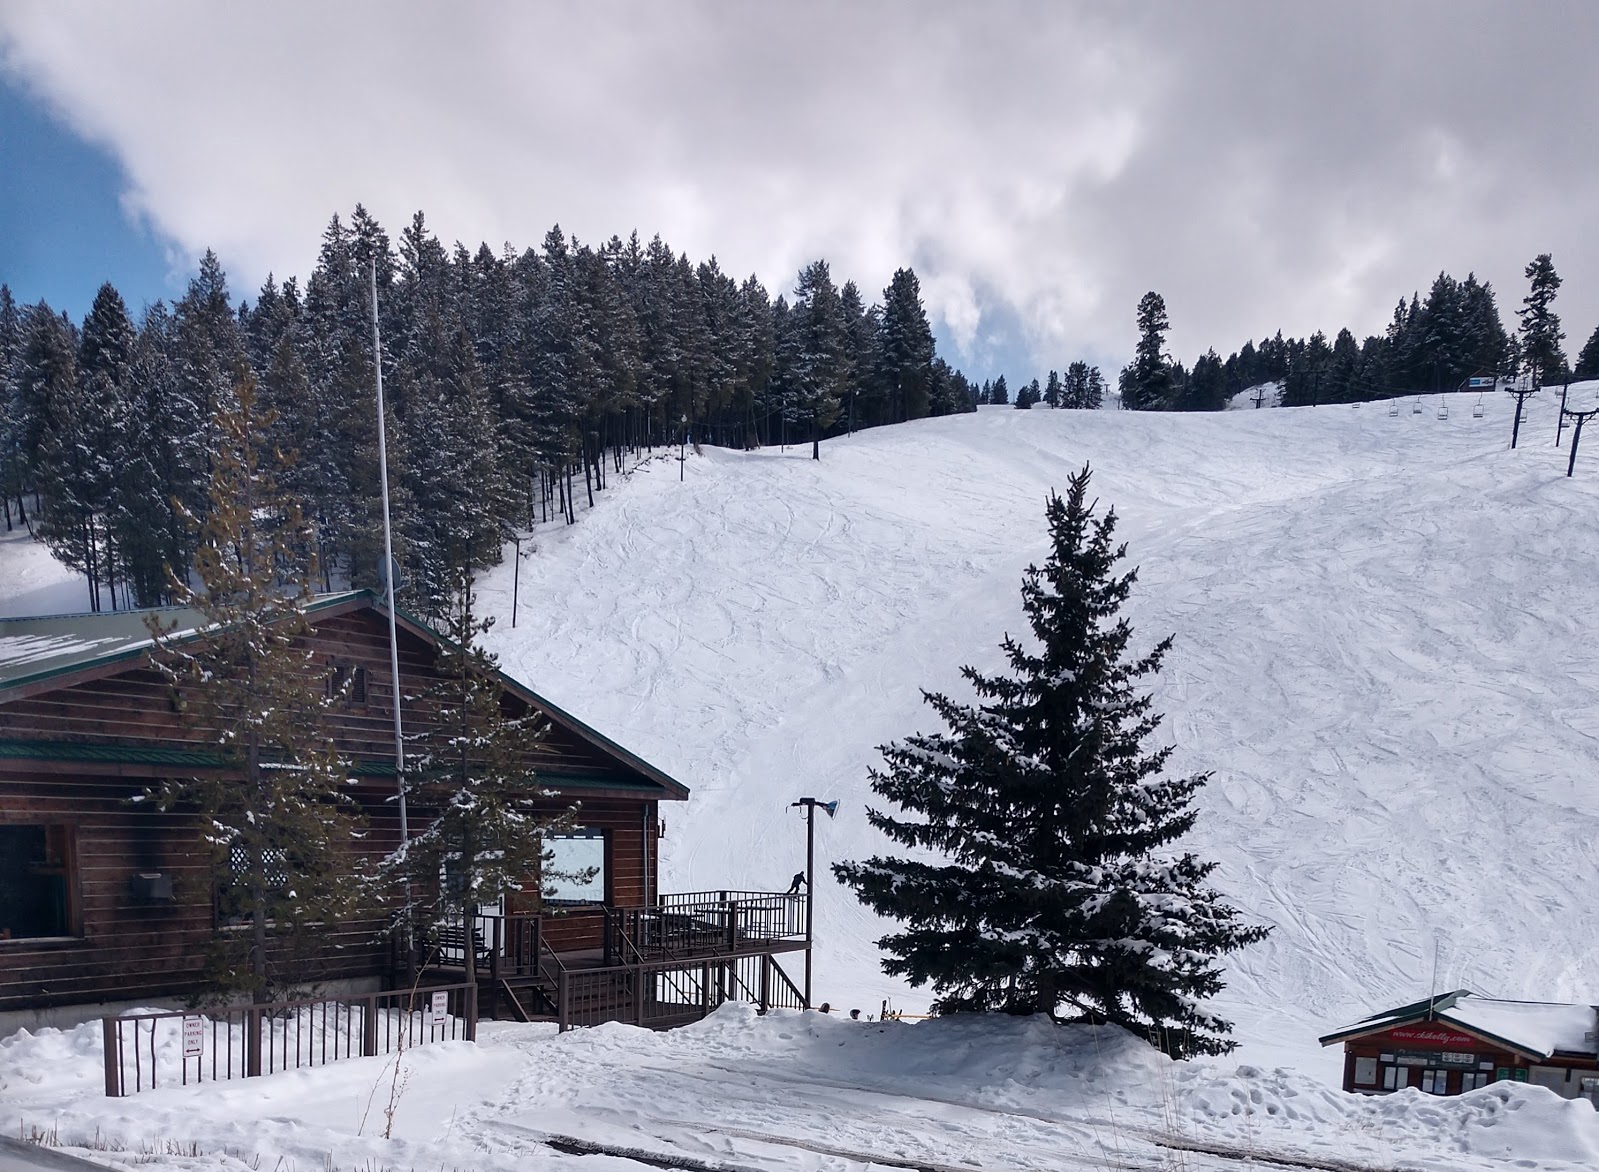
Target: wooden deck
662, 965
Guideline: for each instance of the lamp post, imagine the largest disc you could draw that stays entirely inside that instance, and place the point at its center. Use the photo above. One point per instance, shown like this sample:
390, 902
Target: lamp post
810, 806
682, 449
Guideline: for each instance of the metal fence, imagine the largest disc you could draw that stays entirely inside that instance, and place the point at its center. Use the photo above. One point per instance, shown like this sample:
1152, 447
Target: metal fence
146, 1050
659, 993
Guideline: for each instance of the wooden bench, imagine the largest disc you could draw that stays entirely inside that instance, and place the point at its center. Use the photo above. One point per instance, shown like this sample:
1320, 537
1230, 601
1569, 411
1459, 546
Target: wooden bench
452, 937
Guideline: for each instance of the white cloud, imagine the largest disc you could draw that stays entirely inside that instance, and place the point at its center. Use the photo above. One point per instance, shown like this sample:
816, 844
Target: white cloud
1041, 165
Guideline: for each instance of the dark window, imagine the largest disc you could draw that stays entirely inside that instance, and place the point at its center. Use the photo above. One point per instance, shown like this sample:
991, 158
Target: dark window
36, 882
233, 900
346, 683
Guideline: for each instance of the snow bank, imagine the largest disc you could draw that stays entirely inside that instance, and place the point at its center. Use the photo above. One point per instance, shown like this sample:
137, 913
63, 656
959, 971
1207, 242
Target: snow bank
785, 1092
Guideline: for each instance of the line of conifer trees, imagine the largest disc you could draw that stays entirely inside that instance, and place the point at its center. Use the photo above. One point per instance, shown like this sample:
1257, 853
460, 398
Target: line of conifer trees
1431, 344
517, 382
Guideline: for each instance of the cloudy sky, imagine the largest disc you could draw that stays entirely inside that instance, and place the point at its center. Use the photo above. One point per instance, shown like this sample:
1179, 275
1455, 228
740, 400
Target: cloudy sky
1040, 165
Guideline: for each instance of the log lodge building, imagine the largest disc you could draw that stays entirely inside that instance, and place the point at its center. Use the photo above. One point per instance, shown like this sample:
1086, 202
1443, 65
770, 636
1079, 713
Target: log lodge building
106, 903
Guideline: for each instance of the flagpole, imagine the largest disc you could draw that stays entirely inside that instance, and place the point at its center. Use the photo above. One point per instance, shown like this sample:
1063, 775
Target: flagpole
389, 575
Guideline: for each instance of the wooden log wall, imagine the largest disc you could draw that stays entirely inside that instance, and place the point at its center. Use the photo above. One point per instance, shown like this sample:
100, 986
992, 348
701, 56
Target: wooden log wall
124, 948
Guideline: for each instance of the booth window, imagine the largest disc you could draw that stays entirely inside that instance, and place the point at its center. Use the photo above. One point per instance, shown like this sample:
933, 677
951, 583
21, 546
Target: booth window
36, 882
575, 868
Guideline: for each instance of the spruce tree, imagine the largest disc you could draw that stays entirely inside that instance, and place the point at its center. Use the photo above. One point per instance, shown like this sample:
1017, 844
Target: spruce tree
1541, 334
473, 769
280, 821
1147, 382
1588, 361
1058, 885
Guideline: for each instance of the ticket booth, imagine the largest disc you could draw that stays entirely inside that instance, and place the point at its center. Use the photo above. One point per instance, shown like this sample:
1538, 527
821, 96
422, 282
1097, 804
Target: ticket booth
1457, 1042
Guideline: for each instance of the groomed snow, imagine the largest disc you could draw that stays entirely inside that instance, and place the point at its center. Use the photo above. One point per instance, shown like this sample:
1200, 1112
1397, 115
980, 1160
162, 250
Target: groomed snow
1384, 654
786, 1093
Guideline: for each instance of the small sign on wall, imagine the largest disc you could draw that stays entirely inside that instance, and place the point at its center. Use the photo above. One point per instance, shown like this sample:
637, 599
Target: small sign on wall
441, 1008
193, 1036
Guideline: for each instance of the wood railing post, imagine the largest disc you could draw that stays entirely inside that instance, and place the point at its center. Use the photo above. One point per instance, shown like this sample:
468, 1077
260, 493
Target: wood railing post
369, 1025
471, 1013
563, 994
766, 982
494, 956
705, 990
732, 926
638, 995
113, 1056
252, 1043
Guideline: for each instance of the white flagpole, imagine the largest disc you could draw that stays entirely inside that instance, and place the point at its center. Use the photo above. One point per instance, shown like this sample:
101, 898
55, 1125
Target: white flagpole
389, 574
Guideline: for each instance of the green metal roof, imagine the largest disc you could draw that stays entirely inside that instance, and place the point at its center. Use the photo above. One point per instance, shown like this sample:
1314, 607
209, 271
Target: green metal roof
103, 753
34, 651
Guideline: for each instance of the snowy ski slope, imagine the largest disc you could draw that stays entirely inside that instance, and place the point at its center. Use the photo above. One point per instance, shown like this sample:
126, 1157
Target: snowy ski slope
1383, 652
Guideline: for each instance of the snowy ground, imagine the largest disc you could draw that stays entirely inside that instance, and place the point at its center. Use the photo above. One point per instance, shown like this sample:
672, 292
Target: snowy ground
1383, 653
786, 1093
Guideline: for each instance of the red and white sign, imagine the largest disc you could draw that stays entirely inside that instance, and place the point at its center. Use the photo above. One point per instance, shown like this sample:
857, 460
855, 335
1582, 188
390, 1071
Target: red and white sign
1433, 1035
193, 1036
441, 1008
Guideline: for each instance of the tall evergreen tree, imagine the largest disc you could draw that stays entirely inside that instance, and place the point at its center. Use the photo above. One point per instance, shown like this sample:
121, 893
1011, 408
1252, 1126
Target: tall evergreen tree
1057, 884
1541, 334
906, 348
1588, 360
472, 767
280, 821
1147, 382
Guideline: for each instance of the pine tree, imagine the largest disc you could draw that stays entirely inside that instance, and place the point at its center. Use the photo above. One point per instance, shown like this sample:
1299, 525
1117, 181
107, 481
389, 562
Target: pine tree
279, 819
1054, 389
999, 393
1147, 382
1588, 361
11, 439
906, 348
1541, 334
473, 768
1058, 886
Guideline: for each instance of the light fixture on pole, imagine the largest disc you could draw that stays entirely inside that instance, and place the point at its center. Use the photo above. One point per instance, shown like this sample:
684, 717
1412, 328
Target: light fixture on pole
810, 806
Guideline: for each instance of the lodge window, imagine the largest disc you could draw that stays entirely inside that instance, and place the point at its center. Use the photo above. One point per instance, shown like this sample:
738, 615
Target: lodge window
575, 868
346, 682
1472, 1079
1365, 1072
38, 882
232, 895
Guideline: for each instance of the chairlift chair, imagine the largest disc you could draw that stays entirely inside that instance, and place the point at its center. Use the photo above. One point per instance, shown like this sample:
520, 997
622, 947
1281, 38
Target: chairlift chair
1443, 409
1476, 410
1416, 410
1393, 408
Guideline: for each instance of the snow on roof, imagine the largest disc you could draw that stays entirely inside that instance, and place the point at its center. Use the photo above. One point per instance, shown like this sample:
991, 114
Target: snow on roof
1536, 1028
37, 648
